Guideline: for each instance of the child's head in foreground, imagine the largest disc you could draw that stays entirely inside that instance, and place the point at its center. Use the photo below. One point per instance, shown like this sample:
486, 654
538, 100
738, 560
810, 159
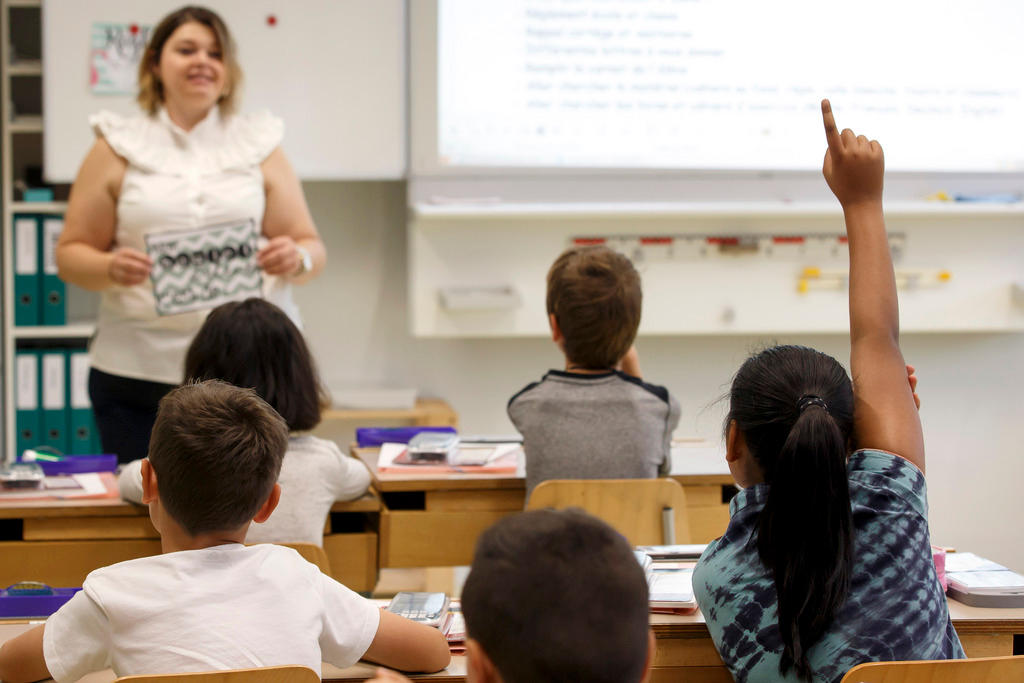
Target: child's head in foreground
556, 595
593, 302
216, 452
253, 343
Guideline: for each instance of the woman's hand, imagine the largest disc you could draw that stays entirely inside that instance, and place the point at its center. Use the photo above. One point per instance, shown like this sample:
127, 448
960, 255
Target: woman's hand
280, 256
129, 266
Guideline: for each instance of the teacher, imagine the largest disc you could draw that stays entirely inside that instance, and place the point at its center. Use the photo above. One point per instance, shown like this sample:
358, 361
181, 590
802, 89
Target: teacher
188, 161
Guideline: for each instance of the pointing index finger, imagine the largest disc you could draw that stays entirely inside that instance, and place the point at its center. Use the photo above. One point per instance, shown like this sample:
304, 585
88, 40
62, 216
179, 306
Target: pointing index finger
831, 132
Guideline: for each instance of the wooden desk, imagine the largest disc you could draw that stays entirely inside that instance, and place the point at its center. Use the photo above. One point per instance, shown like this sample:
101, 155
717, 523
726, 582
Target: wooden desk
434, 519
60, 542
685, 651
433, 412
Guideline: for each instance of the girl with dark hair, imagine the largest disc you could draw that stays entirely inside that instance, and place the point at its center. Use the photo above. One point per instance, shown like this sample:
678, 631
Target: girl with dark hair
826, 562
254, 345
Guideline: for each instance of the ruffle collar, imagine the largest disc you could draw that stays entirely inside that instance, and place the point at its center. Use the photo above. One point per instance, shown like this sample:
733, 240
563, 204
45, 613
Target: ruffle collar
214, 145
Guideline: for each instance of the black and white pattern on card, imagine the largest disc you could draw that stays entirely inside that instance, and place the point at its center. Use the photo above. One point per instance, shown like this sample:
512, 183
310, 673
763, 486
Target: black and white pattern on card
203, 268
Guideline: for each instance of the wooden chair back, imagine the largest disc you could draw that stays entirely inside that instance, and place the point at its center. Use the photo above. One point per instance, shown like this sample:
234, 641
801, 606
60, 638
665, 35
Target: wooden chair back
268, 674
981, 670
645, 511
312, 553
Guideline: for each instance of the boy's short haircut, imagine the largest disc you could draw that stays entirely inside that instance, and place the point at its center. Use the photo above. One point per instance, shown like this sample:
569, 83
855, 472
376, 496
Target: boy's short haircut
216, 450
595, 295
557, 595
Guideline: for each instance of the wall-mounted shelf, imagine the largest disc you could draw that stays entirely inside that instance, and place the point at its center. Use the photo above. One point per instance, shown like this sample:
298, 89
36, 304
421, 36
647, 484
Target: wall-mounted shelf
26, 124
21, 151
73, 331
497, 210
25, 67
39, 207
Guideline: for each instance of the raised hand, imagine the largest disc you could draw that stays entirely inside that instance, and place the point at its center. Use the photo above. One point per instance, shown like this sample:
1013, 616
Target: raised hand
129, 266
853, 166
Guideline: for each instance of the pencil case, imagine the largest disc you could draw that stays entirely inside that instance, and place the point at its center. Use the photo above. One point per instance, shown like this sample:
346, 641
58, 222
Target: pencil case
22, 603
367, 437
79, 464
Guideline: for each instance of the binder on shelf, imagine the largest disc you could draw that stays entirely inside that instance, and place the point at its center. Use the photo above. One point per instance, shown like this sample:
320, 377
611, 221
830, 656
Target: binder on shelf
54, 400
27, 285
81, 426
27, 418
53, 290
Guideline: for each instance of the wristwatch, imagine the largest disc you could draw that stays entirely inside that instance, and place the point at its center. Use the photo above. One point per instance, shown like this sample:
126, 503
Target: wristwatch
305, 260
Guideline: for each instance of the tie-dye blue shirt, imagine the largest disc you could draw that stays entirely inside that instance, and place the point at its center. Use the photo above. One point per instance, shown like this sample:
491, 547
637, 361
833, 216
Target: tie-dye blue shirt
895, 611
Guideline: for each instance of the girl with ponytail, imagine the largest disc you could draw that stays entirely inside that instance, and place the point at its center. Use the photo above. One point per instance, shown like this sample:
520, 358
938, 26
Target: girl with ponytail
826, 562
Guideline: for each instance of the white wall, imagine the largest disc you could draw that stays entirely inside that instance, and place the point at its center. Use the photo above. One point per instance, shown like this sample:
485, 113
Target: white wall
356, 319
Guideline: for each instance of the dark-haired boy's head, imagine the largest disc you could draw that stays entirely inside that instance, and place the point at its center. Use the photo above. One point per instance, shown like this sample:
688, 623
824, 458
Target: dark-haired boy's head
557, 595
594, 297
216, 450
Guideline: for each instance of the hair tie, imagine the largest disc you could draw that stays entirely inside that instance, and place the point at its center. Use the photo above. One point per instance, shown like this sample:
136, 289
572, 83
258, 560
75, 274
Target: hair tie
808, 400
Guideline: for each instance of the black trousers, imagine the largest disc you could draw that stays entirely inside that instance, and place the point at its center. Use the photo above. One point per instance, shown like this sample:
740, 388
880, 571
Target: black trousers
125, 410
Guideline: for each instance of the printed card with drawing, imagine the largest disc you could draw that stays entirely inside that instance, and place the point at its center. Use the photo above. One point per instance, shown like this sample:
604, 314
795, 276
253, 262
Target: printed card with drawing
203, 268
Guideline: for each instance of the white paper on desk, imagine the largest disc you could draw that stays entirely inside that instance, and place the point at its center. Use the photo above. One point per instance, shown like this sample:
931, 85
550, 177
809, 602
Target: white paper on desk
1002, 582
63, 486
699, 457
969, 562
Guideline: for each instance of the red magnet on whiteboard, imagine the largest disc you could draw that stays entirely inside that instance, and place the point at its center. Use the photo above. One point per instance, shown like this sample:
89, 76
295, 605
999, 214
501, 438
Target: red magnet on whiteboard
134, 28
271, 20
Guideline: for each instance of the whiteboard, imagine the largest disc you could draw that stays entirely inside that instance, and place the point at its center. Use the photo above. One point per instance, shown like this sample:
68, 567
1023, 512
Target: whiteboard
539, 121
649, 84
333, 70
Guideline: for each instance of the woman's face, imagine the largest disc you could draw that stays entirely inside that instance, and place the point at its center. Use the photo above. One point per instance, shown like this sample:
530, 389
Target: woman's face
191, 67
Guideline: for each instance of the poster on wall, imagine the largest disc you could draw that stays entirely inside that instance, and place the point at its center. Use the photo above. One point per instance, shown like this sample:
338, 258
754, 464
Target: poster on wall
114, 57
203, 268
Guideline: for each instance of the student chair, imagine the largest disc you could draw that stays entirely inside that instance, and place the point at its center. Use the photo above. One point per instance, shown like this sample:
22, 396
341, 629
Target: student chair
645, 511
981, 670
268, 674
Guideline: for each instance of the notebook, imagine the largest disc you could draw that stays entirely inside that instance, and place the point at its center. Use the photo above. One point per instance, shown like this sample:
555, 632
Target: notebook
490, 459
979, 582
670, 584
687, 551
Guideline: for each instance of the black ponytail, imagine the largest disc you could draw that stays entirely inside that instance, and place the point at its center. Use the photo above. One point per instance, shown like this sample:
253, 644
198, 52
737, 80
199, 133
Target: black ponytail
794, 407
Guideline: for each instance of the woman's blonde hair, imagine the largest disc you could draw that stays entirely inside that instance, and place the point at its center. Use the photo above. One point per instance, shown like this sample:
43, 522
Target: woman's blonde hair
151, 90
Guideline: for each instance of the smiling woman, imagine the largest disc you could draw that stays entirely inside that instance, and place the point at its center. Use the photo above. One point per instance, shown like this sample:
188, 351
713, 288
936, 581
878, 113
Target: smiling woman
189, 162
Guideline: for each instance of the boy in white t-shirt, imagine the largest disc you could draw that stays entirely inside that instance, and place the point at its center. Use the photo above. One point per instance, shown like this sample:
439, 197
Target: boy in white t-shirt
209, 602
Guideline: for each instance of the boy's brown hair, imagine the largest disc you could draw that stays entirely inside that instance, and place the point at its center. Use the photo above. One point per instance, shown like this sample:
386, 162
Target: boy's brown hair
595, 296
216, 450
557, 595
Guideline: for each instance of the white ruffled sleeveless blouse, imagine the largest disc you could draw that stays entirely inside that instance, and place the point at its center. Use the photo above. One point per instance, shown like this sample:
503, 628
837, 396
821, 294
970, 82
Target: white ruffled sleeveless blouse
177, 180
